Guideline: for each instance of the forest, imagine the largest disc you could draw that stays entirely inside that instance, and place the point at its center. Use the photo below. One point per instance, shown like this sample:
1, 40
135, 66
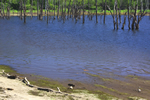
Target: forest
135, 9
88, 4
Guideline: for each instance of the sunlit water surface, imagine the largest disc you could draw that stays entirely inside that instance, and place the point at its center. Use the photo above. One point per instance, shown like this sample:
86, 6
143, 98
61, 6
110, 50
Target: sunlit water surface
67, 50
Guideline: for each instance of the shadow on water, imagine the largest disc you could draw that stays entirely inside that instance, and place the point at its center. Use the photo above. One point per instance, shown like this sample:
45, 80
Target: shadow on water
65, 50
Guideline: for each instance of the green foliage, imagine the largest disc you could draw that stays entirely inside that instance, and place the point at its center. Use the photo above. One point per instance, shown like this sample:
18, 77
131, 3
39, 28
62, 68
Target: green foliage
14, 6
88, 4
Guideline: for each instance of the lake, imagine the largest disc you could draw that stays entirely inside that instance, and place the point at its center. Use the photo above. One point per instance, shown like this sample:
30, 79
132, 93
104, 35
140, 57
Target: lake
67, 50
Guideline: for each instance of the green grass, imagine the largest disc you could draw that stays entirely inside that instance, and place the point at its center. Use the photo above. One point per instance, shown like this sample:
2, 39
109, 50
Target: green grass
7, 69
35, 93
101, 95
44, 82
91, 11
93, 75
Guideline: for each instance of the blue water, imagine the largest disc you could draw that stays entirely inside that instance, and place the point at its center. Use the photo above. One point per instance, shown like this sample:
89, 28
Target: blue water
64, 50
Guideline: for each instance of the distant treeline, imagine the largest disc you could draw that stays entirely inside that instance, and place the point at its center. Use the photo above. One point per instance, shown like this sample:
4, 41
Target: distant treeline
88, 4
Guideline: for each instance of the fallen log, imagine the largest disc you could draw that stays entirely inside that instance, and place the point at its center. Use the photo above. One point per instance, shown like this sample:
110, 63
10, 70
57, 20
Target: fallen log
12, 77
44, 89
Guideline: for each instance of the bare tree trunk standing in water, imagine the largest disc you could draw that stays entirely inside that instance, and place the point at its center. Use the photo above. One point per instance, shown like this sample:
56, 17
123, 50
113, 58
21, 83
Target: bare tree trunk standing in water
31, 9
134, 18
113, 14
149, 8
105, 12
65, 10
8, 10
58, 9
47, 8
37, 9
1, 9
69, 9
62, 8
120, 10
96, 11
24, 11
140, 16
21, 9
88, 8
129, 15
54, 9
117, 13
124, 21
73, 9
41, 11
4, 10
83, 10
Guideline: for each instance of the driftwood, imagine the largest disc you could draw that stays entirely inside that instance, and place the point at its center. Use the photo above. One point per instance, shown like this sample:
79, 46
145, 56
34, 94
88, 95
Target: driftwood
12, 77
58, 90
43, 89
40, 88
9, 89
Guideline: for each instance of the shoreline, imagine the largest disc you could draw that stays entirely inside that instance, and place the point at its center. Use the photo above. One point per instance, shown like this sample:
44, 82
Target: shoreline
121, 89
52, 14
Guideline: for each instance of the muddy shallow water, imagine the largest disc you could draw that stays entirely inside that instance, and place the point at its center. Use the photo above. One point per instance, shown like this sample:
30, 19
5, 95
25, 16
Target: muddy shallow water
67, 50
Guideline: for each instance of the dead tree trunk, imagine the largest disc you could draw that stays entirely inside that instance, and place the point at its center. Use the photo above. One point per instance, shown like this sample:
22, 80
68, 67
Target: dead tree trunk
47, 10
4, 10
113, 15
120, 10
41, 11
129, 17
8, 11
83, 10
73, 9
143, 13
54, 9
1, 9
139, 19
79, 13
65, 11
21, 9
31, 9
134, 18
124, 21
37, 9
149, 8
88, 7
24, 11
69, 8
62, 8
58, 9
96, 11
117, 14
105, 12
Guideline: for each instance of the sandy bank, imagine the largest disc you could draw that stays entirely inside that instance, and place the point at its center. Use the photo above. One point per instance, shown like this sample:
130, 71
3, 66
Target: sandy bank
13, 89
